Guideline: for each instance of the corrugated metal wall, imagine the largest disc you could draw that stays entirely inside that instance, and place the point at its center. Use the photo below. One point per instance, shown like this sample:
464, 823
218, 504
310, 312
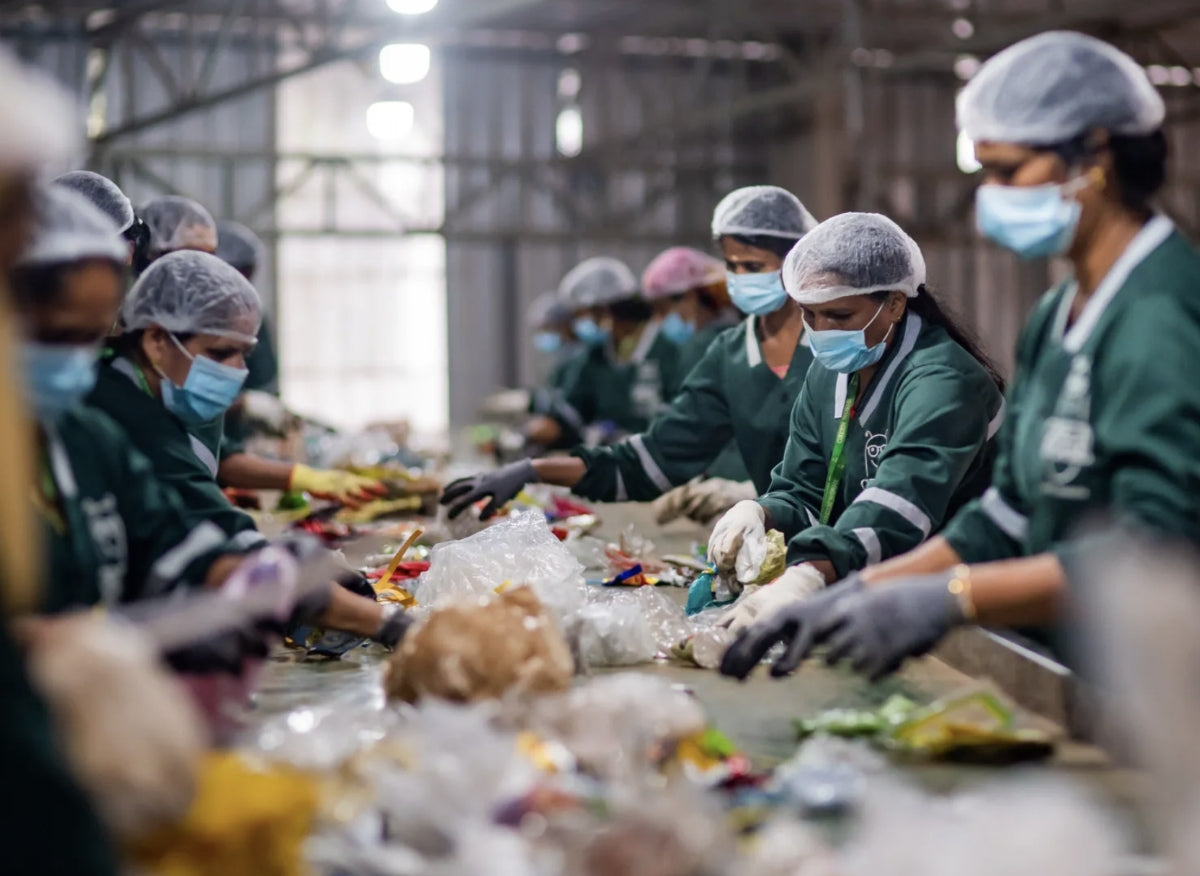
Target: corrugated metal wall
518, 218
140, 163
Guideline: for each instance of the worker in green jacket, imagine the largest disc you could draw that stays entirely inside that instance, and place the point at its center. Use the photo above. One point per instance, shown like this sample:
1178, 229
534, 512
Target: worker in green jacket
687, 289
178, 224
1104, 416
742, 390
549, 320
628, 371
112, 531
190, 320
891, 434
50, 826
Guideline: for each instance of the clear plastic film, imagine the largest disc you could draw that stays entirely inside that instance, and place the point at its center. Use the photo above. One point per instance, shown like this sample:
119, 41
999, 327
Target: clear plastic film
518, 550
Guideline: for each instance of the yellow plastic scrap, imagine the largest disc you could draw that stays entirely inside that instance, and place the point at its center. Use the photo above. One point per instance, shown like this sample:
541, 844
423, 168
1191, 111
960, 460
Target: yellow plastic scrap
245, 821
776, 562
378, 508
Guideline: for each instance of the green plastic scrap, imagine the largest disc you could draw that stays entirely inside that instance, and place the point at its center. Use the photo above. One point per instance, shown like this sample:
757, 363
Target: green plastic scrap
858, 722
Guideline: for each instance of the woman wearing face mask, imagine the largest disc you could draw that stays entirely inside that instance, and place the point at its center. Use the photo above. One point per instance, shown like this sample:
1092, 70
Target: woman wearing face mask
112, 531
741, 391
549, 318
628, 371
687, 290
178, 224
1104, 414
190, 321
891, 432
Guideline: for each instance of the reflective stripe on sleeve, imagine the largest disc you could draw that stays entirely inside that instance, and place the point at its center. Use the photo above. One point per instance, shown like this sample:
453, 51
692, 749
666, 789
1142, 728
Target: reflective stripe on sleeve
1010, 521
622, 493
170, 565
649, 466
899, 504
247, 539
869, 539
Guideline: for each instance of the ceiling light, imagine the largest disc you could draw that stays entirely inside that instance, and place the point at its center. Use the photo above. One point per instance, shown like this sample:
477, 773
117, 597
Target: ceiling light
404, 63
411, 7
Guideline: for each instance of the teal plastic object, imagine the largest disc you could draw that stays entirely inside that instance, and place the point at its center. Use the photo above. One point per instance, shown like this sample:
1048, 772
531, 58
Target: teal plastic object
701, 593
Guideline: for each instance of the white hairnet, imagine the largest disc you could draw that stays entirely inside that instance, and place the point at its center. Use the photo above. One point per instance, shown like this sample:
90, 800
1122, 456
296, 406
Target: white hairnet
547, 310
768, 211
102, 192
178, 223
68, 228
853, 254
600, 280
238, 245
193, 292
40, 122
1054, 87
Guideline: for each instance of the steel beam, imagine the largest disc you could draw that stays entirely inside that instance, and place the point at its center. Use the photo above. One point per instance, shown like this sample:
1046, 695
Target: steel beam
480, 12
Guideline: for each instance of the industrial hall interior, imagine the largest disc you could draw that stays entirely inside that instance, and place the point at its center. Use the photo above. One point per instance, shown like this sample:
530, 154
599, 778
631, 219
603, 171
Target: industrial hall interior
600, 437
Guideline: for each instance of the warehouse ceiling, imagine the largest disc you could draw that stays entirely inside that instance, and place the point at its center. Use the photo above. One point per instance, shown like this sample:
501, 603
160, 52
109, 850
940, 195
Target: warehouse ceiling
786, 46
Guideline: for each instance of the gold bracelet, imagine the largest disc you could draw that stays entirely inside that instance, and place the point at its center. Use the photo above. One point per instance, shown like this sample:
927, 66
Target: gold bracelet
960, 588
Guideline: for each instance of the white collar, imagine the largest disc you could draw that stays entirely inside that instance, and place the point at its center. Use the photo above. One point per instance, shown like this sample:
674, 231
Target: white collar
60, 464
753, 353
912, 329
753, 350
1150, 238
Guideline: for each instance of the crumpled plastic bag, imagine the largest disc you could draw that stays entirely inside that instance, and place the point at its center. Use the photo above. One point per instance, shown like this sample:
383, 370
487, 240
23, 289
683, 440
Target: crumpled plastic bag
131, 734
518, 550
613, 629
507, 645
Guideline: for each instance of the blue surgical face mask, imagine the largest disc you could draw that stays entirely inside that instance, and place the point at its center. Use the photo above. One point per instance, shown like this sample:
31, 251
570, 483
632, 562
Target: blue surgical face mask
547, 342
589, 331
756, 294
57, 376
676, 329
207, 392
1032, 221
846, 351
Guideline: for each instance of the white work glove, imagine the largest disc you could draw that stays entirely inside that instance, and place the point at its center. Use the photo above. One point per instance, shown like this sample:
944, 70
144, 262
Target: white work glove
709, 499
756, 603
738, 544
262, 407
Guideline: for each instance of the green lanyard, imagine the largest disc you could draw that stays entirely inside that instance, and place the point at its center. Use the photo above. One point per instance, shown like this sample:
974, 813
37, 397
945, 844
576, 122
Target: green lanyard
837, 462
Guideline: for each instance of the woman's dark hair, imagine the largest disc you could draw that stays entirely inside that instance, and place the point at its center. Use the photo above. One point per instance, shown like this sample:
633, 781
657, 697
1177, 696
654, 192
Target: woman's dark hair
781, 246
631, 310
36, 286
1139, 162
926, 306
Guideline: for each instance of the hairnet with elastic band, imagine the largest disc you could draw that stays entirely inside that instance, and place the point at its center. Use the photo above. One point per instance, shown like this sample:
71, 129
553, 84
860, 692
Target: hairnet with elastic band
678, 270
102, 192
178, 223
67, 227
597, 281
191, 292
767, 211
1054, 87
40, 121
238, 245
853, 254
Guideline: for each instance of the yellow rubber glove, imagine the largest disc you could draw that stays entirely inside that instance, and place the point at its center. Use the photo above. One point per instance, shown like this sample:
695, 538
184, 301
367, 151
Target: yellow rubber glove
337, 486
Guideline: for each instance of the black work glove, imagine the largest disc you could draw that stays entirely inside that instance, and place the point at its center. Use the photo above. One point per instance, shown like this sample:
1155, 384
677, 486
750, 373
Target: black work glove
795, 625
226, 653
502, 485
395, 624
878, 629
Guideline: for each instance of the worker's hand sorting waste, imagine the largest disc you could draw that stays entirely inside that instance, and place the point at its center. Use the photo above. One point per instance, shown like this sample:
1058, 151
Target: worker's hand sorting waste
738, 544
759, 603
881, 627
796, 626
336, 486
502, 485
